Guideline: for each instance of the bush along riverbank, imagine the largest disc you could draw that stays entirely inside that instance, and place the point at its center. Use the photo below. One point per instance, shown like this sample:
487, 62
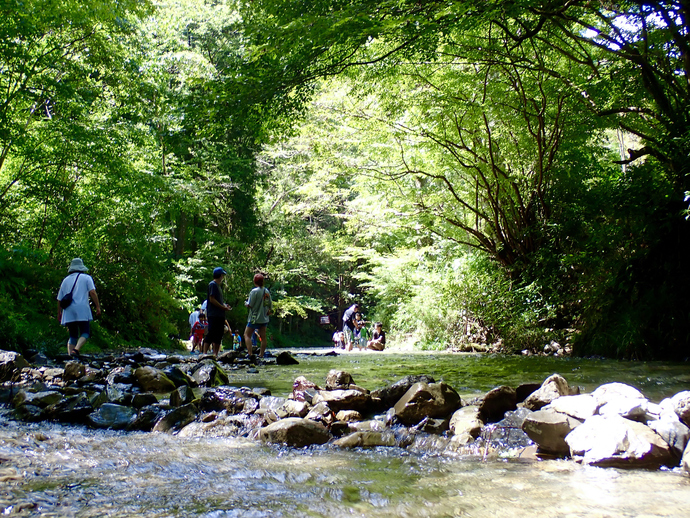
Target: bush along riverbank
615, 425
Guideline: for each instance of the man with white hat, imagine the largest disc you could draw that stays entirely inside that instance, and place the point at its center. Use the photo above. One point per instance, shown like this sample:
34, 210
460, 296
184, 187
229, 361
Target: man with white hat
74, 310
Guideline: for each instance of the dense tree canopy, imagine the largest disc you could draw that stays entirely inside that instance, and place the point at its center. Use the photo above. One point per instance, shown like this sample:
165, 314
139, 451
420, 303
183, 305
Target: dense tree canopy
474, 172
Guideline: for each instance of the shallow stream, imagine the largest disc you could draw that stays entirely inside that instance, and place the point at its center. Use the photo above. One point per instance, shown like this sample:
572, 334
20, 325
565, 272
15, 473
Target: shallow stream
55, 470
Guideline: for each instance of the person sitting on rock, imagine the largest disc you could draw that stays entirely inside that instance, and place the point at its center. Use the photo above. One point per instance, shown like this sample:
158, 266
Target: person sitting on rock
378, 339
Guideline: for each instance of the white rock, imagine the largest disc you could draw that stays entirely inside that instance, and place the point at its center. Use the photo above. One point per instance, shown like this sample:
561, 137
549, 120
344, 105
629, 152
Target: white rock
613, 391
580, 406
616, 441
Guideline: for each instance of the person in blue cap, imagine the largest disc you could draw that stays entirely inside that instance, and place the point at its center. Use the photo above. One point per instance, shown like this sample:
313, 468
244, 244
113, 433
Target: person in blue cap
215, 312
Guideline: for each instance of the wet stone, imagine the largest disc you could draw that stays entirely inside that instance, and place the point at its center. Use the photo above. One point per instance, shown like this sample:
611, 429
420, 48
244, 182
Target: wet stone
496, 403
112, 416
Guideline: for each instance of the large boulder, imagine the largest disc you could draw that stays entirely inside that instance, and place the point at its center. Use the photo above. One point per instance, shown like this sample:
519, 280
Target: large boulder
343, 400
618, 442
580, 407
426, 400
389, 396
548, 429
466, 421
153, 380
496, 403
553, 387
112, 416
611, 392
338, 380
295, 432
11, 363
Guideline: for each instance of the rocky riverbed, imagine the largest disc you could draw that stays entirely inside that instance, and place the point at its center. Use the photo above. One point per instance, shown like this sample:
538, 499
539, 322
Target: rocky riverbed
614, 425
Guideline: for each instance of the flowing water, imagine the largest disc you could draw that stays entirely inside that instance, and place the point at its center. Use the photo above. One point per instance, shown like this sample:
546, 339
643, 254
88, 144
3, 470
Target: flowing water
53, 470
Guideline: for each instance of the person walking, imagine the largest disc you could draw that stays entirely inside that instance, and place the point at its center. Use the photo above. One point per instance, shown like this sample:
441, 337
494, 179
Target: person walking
349, 325
215, 313
260, 305
73, 307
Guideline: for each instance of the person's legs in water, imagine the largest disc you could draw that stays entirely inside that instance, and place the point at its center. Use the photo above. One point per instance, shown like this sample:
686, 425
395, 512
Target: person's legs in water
262, 337
248, 332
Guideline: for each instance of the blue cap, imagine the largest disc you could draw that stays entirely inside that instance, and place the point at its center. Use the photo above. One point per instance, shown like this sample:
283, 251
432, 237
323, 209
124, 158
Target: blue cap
217, 272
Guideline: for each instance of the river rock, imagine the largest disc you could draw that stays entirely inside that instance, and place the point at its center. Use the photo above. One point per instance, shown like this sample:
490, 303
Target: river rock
548, 429
321, 413
142, 400
124, 375
10, 363
118, 393
496, 403
231, 399
182, 395
285, 358
681, 406
426, 400
673, 431
390, 395
272, 403
179, 377
618, 442
73, 371
370, 425
146, 418
153, 380
611, 392
348, 416
295, 432
685, 462
343, 399
338, 380
292, 408
436, 426
553, 387
466, 420
210, 374
580, 407
365, 440
112, 416
633, 409
228, 357
177, 418
524, 390
304, 390
39, 399
72, 409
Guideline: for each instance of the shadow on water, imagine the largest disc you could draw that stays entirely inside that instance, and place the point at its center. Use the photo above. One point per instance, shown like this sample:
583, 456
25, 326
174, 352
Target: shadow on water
53, 470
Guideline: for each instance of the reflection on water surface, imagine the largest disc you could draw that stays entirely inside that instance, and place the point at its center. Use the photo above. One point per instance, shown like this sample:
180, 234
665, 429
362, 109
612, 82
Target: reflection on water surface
53, 470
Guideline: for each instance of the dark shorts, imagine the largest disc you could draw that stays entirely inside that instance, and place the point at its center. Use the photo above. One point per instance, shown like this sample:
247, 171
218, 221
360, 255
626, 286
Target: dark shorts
216, 327
77, 329
256, 326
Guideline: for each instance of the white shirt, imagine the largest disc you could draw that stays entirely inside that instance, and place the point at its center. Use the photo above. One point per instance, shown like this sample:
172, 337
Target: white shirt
79, 310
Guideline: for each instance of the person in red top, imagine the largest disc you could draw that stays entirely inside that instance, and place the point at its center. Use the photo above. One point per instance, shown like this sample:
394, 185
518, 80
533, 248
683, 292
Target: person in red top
198, 331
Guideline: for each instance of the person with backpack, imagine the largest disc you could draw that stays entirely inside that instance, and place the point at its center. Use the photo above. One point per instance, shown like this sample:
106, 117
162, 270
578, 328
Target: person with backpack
73, 307
260, 305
